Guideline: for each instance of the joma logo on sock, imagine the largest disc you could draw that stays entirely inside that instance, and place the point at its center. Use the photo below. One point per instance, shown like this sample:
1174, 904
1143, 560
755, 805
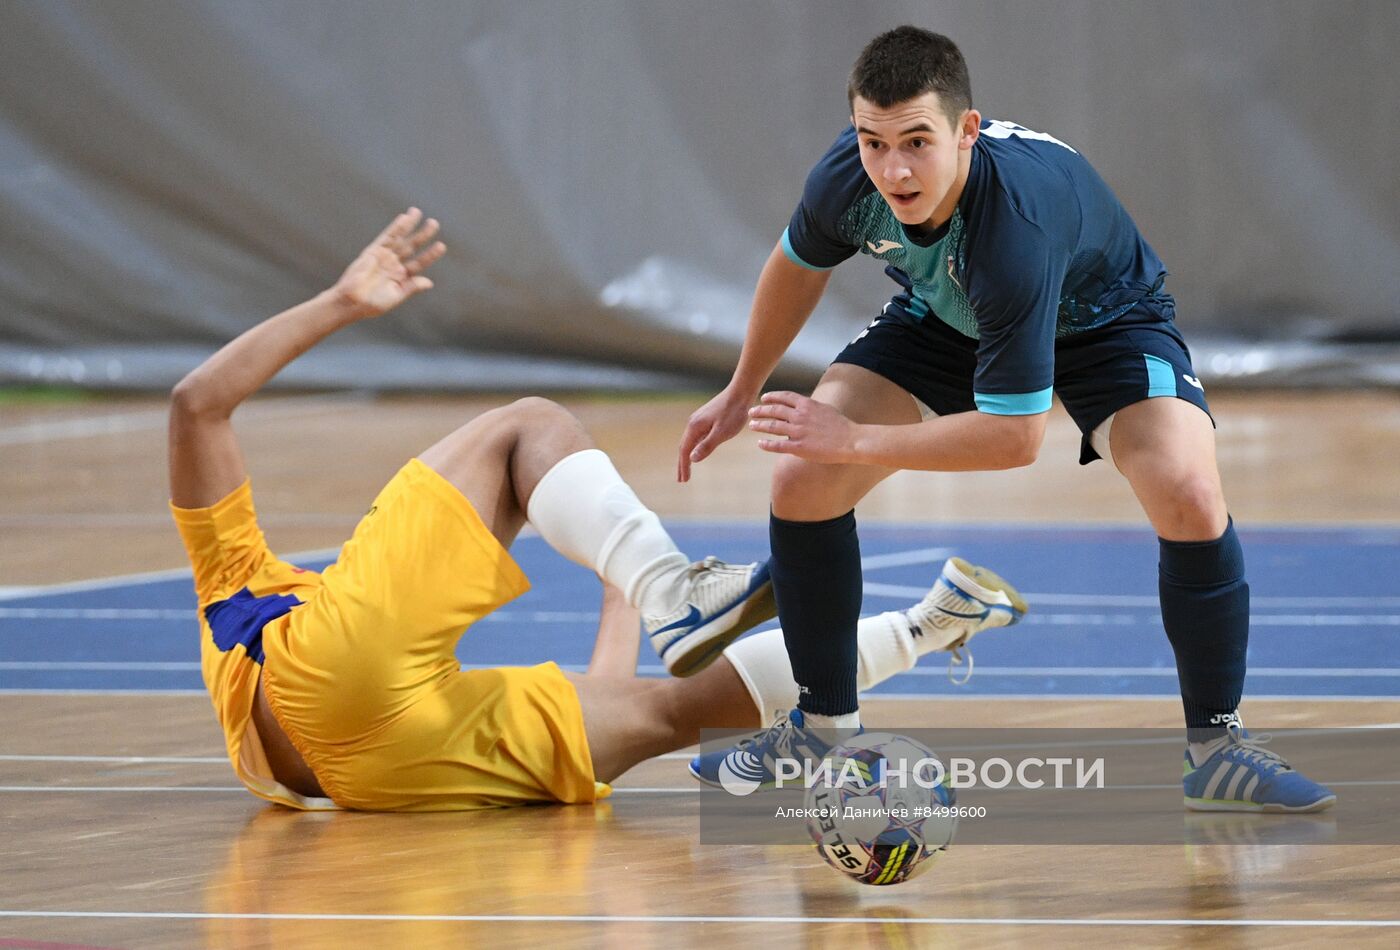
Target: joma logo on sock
1221, 719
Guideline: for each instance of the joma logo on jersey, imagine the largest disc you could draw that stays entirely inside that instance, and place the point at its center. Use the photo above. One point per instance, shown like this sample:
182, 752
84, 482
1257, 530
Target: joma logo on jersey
883, 246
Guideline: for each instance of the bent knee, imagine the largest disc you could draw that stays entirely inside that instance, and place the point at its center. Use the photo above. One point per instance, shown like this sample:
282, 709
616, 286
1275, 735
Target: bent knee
1193, 510
534, 412
808, 491
530, 413
798, 488
538, 407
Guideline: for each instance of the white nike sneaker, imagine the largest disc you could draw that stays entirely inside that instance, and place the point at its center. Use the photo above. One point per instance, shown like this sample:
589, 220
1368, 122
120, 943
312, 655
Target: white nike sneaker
964, 601
722, 601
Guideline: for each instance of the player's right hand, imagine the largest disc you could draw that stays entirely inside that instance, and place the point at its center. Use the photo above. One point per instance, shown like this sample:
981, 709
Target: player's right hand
390, 269
716, 422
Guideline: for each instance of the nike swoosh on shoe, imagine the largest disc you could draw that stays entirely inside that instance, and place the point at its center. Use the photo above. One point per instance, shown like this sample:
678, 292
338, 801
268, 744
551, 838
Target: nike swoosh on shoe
689, 620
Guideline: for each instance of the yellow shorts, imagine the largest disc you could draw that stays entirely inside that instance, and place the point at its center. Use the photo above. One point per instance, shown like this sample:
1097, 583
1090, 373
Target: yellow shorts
364, 680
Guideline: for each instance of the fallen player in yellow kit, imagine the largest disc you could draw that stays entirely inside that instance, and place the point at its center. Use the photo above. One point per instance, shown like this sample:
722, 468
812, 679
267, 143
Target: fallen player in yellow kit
341, 689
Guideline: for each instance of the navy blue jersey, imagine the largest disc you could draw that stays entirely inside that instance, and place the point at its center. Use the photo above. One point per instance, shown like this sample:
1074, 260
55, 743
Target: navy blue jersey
1038, 248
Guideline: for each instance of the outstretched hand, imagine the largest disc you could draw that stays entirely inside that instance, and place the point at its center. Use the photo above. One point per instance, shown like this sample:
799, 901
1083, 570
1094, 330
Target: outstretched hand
390, 270
710, 426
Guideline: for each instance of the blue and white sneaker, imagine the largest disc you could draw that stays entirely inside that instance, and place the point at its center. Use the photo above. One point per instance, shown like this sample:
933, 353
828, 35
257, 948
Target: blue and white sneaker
752, 763
964, 601
722, 602
1241, 775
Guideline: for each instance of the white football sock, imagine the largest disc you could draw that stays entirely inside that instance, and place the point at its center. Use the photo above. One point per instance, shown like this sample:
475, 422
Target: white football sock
884, 647
587, 513
832, 729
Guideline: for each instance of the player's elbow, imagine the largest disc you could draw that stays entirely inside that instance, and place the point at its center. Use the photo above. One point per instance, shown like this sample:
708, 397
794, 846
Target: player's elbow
193, 398
1023, 455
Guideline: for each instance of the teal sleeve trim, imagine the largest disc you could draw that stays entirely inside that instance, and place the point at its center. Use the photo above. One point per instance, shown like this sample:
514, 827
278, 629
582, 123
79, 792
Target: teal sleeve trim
1161, 378
792, 255
1014, 404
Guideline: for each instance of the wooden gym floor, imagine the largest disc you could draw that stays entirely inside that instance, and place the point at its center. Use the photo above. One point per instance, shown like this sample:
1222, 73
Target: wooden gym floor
120, 825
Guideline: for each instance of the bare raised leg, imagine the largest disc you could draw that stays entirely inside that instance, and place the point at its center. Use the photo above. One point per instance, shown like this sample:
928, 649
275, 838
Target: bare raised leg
498, 458
619, 637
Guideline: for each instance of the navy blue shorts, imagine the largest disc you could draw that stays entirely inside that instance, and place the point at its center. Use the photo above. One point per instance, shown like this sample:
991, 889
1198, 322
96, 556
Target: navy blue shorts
1097, 372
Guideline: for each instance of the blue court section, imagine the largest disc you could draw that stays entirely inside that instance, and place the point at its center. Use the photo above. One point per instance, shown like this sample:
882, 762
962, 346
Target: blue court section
1326, 614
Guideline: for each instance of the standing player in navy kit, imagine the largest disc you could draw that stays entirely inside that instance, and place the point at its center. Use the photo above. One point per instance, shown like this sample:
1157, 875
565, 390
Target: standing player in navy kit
1022, 276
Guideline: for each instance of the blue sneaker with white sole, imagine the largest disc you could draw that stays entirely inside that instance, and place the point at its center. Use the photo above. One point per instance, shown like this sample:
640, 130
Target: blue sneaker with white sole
722, 602
1241, 775
751, 764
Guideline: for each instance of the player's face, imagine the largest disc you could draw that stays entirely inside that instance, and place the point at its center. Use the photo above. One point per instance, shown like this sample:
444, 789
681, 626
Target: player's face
916, 156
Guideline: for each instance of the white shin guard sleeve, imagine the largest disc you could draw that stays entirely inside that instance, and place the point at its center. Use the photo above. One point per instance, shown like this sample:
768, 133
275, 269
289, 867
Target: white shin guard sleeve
884, 645
587, 513
761, 661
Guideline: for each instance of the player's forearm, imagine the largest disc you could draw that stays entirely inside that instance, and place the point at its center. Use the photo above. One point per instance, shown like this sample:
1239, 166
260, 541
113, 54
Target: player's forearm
242, 366
785, 297
965, 442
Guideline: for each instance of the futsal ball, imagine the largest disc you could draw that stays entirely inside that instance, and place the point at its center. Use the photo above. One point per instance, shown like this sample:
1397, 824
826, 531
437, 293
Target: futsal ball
879, 808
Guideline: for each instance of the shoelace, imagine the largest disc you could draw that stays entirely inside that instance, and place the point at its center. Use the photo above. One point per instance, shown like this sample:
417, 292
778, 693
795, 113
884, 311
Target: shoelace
700, 567
1252, 749
783, 740
711, 563
957, 653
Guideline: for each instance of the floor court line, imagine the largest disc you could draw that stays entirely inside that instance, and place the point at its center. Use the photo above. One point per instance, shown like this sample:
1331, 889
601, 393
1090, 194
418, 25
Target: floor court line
931, 527
707, 919
101, 692
1149, 601
625, 789
1039, 614
144, 789
117, 520
172, 666
1172, 697
117, 759
140, 577
1039, 599
875, 561
121, 423
681, 755
903, 558
875, 696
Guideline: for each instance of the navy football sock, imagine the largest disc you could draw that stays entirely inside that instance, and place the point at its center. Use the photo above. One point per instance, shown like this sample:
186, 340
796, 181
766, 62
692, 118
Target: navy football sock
1205, 609
817, 584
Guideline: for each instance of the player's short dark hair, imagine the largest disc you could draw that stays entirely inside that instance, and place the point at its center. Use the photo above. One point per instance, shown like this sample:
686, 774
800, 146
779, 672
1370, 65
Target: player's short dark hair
907, 62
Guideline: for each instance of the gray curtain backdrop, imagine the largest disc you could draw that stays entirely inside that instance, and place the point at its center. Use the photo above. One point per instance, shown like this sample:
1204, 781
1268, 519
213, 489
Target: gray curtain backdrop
612, 174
